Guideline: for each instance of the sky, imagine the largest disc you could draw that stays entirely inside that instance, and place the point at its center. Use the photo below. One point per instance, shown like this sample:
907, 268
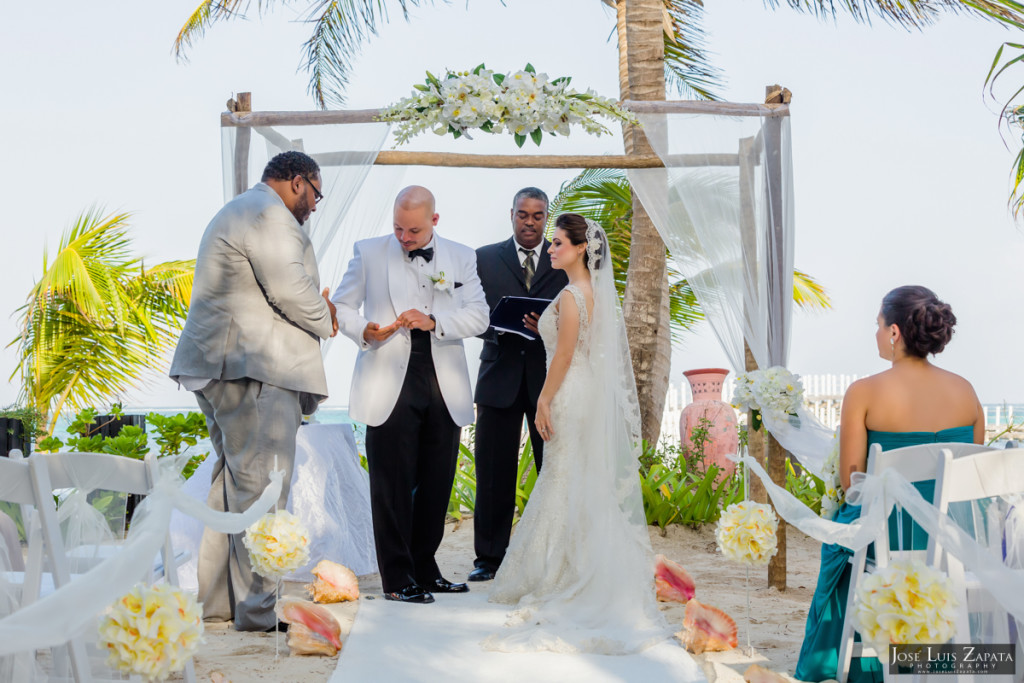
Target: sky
900, 173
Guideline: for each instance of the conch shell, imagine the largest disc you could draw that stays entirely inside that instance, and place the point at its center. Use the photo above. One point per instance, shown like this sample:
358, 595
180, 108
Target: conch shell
334, 583
312, 629
673, 582
758, 674
707, 629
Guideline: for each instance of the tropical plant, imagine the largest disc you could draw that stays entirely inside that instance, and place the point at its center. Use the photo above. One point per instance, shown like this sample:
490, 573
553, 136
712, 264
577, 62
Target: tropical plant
174, 434
98, 319
605, 196
1012, 115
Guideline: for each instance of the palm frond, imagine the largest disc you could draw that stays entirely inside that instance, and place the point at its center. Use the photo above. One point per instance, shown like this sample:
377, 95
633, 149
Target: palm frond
912, 13
202, 17
97, 321
687, 65
808, 293
340, 27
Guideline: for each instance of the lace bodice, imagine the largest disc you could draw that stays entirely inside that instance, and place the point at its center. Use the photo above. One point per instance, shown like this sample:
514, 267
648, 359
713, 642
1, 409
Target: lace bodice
548, 326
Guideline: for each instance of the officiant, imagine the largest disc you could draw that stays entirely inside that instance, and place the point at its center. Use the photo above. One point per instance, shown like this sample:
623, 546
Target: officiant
512, 371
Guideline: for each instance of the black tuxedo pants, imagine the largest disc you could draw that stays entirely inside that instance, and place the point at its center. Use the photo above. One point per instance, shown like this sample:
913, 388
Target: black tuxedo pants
498, 431
412, 458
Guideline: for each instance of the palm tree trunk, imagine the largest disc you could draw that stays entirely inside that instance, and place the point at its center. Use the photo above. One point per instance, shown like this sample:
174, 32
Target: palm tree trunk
642, 53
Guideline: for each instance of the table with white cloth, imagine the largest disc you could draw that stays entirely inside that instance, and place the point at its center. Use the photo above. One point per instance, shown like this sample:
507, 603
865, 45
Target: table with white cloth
330, 493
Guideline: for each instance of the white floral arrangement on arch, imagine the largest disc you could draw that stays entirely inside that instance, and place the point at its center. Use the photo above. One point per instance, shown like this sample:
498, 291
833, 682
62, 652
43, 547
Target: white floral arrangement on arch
278, 543
775, 392
905, 602
152, 631
834, 494
524, 103
746, 533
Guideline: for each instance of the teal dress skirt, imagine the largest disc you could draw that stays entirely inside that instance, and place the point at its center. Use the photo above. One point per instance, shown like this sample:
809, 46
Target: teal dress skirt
819, 654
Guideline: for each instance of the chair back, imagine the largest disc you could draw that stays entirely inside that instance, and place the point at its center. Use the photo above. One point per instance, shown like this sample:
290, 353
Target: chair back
100, 470
16, 481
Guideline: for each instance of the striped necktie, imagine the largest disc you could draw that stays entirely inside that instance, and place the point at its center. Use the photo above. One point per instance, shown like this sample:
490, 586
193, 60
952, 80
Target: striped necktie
528, 268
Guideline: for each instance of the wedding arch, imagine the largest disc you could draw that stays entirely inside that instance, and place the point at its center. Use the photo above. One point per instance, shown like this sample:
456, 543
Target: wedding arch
718, 188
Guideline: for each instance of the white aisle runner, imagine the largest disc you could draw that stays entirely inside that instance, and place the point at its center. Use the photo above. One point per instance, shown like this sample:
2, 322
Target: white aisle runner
441, 642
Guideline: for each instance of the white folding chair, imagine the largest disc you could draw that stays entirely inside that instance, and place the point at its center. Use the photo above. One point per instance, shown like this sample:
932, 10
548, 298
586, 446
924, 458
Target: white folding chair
916, 464
27, 484
117, 474
977, 477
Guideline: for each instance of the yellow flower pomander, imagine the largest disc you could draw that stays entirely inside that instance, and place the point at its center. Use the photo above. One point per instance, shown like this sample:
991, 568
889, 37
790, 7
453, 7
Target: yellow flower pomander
278, 543
746, 533
906, 602
152, 631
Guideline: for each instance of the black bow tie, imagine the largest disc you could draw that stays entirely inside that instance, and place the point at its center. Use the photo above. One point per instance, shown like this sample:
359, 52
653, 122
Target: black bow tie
427, 254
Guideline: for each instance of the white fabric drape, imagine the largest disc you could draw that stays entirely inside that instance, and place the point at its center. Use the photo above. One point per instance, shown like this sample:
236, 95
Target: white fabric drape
878, 494
723, 205
66, 612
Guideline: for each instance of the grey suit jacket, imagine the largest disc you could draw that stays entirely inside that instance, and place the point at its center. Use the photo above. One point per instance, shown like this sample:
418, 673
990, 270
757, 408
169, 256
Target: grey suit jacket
256, 308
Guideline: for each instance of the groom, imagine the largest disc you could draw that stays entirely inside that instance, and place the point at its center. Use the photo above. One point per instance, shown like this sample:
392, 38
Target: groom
419, 296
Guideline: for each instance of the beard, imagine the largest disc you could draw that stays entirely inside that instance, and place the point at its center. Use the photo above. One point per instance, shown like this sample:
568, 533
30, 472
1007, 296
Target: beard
302, 210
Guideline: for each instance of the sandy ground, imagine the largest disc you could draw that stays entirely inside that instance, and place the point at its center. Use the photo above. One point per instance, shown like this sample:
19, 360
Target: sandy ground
776, 618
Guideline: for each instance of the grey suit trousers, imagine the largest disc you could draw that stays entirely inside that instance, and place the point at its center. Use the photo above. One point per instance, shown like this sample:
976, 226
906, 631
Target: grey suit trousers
250, 422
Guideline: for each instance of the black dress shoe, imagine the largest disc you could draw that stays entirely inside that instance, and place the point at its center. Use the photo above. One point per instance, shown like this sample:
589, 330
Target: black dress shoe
482, 574
281, 626
411, 593
443, 585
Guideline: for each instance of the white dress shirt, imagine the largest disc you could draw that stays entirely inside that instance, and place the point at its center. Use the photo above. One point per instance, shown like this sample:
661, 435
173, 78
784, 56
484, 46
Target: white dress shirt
418, 284
522, 256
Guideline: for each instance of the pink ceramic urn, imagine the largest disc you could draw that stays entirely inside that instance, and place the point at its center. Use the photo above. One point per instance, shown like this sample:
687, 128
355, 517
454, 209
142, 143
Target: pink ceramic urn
706, 385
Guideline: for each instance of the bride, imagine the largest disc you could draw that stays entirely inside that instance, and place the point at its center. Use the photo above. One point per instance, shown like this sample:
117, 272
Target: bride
579, 566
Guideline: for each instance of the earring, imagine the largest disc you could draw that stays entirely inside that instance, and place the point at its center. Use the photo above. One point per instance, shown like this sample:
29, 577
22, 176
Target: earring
892, 342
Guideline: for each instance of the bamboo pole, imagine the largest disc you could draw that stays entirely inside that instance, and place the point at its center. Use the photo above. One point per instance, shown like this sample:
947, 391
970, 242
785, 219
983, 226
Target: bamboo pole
248, 119
499, 161
242, 139
775, 454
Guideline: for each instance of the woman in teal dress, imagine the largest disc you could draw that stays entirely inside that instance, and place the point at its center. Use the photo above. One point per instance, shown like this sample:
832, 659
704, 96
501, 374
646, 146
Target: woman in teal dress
912, 402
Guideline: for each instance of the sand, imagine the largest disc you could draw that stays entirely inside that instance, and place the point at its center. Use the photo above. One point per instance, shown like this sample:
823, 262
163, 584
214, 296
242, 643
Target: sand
776, 618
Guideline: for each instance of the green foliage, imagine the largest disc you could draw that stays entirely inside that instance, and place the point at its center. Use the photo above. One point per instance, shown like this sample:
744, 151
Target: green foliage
463, 498
174, 434
97, 320
526, 478
13, 510
805, 486
31, 419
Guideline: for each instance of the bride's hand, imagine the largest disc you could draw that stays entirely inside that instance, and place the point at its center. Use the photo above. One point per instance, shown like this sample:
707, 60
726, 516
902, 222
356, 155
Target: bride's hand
543, 419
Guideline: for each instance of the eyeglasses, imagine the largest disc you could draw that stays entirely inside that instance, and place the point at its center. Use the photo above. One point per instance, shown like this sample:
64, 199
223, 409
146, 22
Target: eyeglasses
319, 196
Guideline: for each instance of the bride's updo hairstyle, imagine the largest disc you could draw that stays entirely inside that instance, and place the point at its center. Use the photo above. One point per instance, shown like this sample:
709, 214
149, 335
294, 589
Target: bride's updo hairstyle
925, 322
575, 227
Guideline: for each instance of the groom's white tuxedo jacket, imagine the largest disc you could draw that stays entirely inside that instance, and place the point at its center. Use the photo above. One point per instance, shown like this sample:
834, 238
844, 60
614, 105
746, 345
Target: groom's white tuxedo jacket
376, 283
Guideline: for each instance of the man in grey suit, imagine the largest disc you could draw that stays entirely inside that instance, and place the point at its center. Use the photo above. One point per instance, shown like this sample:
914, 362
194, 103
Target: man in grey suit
250, 351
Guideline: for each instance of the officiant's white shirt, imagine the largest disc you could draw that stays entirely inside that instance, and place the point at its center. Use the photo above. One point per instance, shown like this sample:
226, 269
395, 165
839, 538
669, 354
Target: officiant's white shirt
522, 256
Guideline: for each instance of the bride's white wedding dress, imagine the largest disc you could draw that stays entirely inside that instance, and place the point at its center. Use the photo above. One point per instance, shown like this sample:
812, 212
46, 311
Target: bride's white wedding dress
579, 564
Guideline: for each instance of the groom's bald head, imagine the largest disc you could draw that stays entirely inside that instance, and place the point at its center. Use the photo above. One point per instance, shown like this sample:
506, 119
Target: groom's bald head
414, 217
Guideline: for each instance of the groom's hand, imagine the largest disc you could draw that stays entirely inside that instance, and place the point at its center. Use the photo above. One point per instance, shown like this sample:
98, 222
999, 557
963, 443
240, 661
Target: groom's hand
334, 310
374, 333
416, 320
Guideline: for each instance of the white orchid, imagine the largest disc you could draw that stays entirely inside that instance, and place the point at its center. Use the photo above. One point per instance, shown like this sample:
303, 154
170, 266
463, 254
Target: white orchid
524, 103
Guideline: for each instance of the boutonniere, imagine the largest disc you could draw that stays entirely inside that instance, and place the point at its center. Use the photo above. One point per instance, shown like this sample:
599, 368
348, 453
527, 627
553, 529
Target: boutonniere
441, 283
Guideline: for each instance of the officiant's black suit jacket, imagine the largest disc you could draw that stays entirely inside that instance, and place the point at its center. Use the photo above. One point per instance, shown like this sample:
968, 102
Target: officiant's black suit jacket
505, 357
